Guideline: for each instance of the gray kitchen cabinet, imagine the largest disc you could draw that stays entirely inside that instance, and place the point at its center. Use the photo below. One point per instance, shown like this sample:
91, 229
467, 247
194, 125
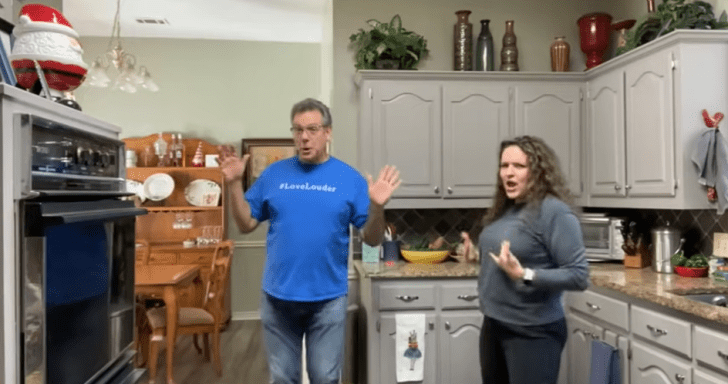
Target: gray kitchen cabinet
6, 12
581, 333
452, 329
459, 340
654, 366
702, 376
553, 112
443, 137
643, 122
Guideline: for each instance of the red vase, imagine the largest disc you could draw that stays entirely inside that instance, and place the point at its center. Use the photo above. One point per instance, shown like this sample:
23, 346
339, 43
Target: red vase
594, 30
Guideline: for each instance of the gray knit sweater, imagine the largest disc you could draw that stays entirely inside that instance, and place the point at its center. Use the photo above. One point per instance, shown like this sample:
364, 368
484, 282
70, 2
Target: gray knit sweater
550, 242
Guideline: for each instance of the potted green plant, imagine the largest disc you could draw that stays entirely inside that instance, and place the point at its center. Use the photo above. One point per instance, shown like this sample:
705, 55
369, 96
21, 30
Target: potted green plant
669, 16
388, 46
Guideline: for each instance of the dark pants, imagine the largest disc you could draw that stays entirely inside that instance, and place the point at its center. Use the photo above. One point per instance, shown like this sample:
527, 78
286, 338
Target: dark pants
513, 354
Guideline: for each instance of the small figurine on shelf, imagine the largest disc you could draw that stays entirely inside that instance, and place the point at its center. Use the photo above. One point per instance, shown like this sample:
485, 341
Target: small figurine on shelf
198, 161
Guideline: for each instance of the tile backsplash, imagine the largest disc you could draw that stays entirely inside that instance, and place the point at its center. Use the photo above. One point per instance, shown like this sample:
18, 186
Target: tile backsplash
413, 225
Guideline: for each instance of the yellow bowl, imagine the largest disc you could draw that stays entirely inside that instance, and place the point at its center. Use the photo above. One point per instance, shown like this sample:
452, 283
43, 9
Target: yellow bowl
424, 257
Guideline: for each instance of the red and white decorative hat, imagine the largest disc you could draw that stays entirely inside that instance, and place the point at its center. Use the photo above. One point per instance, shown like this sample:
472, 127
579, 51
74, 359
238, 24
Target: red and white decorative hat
44, 35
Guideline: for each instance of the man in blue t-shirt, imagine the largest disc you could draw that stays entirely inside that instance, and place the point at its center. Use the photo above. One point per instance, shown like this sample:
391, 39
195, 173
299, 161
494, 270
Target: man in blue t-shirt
309, 200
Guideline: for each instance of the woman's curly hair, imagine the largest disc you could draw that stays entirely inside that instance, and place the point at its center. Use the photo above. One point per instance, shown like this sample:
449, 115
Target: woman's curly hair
545, 177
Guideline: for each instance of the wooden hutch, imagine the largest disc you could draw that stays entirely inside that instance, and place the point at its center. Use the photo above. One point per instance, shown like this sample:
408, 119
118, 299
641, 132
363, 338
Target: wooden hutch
157, 227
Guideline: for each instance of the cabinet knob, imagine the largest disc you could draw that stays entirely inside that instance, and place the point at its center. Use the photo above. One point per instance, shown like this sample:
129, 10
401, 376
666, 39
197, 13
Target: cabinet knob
437, 189
617, 187
680, 378
628, 187
447, 325
406, 298
449, 190
432, 326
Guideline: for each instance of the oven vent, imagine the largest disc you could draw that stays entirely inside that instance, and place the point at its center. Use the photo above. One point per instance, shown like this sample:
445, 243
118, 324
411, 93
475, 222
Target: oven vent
151, 20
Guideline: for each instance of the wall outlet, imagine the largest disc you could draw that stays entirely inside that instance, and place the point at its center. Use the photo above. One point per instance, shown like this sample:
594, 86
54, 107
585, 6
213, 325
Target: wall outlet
720, 244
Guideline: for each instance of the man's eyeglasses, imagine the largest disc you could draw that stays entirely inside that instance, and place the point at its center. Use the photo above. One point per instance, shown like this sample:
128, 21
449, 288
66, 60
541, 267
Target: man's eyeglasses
311, 129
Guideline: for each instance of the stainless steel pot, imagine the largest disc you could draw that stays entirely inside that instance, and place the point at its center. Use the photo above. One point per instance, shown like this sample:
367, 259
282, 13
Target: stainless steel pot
666, 241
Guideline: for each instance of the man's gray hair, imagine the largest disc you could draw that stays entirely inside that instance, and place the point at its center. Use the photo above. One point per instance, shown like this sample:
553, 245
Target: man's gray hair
311, 104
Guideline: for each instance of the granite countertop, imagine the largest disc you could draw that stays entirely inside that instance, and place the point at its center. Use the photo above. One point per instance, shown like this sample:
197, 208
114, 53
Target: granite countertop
659, 288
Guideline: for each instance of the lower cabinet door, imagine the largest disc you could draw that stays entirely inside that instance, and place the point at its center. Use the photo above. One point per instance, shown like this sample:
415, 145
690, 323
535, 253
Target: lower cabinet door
581, 334
459, 347
703, 377
388, 350
651, 365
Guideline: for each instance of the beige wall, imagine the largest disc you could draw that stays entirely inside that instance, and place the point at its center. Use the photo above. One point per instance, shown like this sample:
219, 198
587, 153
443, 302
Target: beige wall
221, 91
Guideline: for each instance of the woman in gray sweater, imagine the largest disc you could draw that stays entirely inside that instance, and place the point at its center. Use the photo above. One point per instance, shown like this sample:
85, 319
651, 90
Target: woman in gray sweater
531, 251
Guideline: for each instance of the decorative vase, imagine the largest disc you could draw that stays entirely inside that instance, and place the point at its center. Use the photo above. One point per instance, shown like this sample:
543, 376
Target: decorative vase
463, 43
509, 52
622, 27
560, 55
484, 59
594, 36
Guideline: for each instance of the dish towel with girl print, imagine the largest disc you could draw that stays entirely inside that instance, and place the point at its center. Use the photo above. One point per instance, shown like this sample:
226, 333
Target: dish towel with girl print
711, 158
410, 346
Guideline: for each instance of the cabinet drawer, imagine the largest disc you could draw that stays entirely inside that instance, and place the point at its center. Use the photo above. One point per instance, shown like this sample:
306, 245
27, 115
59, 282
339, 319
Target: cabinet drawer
195, 258
664, 330
406, 296
162, 258
605, 308
711, 348
459, 295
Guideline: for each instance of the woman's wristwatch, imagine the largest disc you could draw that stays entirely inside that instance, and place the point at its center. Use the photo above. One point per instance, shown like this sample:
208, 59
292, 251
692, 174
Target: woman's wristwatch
528, 275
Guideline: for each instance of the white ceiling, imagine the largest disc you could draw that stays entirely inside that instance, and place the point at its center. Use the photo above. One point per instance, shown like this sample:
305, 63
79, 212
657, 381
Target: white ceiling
255, 20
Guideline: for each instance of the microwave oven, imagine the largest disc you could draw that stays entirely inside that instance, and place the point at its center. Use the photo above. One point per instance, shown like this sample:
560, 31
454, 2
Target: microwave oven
602, 236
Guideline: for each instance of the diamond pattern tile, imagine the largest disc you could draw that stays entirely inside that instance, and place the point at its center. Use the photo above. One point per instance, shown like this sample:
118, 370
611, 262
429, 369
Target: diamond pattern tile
697, 226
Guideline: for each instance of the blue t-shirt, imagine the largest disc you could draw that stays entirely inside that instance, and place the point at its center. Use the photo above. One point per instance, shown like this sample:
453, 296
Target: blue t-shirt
310, 207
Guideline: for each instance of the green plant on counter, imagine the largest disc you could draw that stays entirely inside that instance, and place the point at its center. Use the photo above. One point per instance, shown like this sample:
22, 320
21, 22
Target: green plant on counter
388, 42
669, 16
695, 261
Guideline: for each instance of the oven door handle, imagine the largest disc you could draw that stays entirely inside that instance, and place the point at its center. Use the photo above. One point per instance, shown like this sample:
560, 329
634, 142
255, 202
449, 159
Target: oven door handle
104, 214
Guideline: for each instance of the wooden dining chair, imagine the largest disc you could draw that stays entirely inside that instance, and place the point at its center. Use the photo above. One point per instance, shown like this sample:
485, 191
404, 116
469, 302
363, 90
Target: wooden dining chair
205, 319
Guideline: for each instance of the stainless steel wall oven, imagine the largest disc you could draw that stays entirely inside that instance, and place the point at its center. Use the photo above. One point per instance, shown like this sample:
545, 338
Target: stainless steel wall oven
76, 266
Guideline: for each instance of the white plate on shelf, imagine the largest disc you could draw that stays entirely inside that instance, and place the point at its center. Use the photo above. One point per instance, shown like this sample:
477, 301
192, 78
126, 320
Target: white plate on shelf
158, 186
203, 193
136, 188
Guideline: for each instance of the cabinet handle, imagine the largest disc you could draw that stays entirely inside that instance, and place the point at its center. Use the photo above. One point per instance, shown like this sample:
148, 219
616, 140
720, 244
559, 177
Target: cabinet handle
722, 355
657, 331
680, 378
617, 187
407, 298
628, 187
449, 190
432, 326
447, 325
467, 297
592, 306
437, 189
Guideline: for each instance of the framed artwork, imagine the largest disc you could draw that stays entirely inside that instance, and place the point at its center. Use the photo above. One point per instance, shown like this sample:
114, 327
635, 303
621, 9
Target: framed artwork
264, 152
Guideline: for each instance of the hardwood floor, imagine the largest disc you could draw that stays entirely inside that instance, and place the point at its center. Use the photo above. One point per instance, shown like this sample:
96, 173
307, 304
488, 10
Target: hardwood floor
243, 358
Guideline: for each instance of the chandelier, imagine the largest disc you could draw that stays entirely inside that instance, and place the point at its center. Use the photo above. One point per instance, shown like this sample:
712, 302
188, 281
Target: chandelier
127, 77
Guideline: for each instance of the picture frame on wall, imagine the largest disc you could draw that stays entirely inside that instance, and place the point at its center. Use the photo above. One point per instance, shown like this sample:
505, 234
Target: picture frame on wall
264, 152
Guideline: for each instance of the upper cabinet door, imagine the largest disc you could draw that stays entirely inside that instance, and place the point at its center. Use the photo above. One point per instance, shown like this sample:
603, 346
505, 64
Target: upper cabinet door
553, 112
475, 121
406, 133
649, 126
605, 135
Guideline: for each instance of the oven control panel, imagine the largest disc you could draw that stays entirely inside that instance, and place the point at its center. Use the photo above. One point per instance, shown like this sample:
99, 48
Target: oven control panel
65, 151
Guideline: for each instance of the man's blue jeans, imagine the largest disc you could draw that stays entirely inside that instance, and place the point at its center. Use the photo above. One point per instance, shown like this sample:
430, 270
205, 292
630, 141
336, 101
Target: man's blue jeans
285, 323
